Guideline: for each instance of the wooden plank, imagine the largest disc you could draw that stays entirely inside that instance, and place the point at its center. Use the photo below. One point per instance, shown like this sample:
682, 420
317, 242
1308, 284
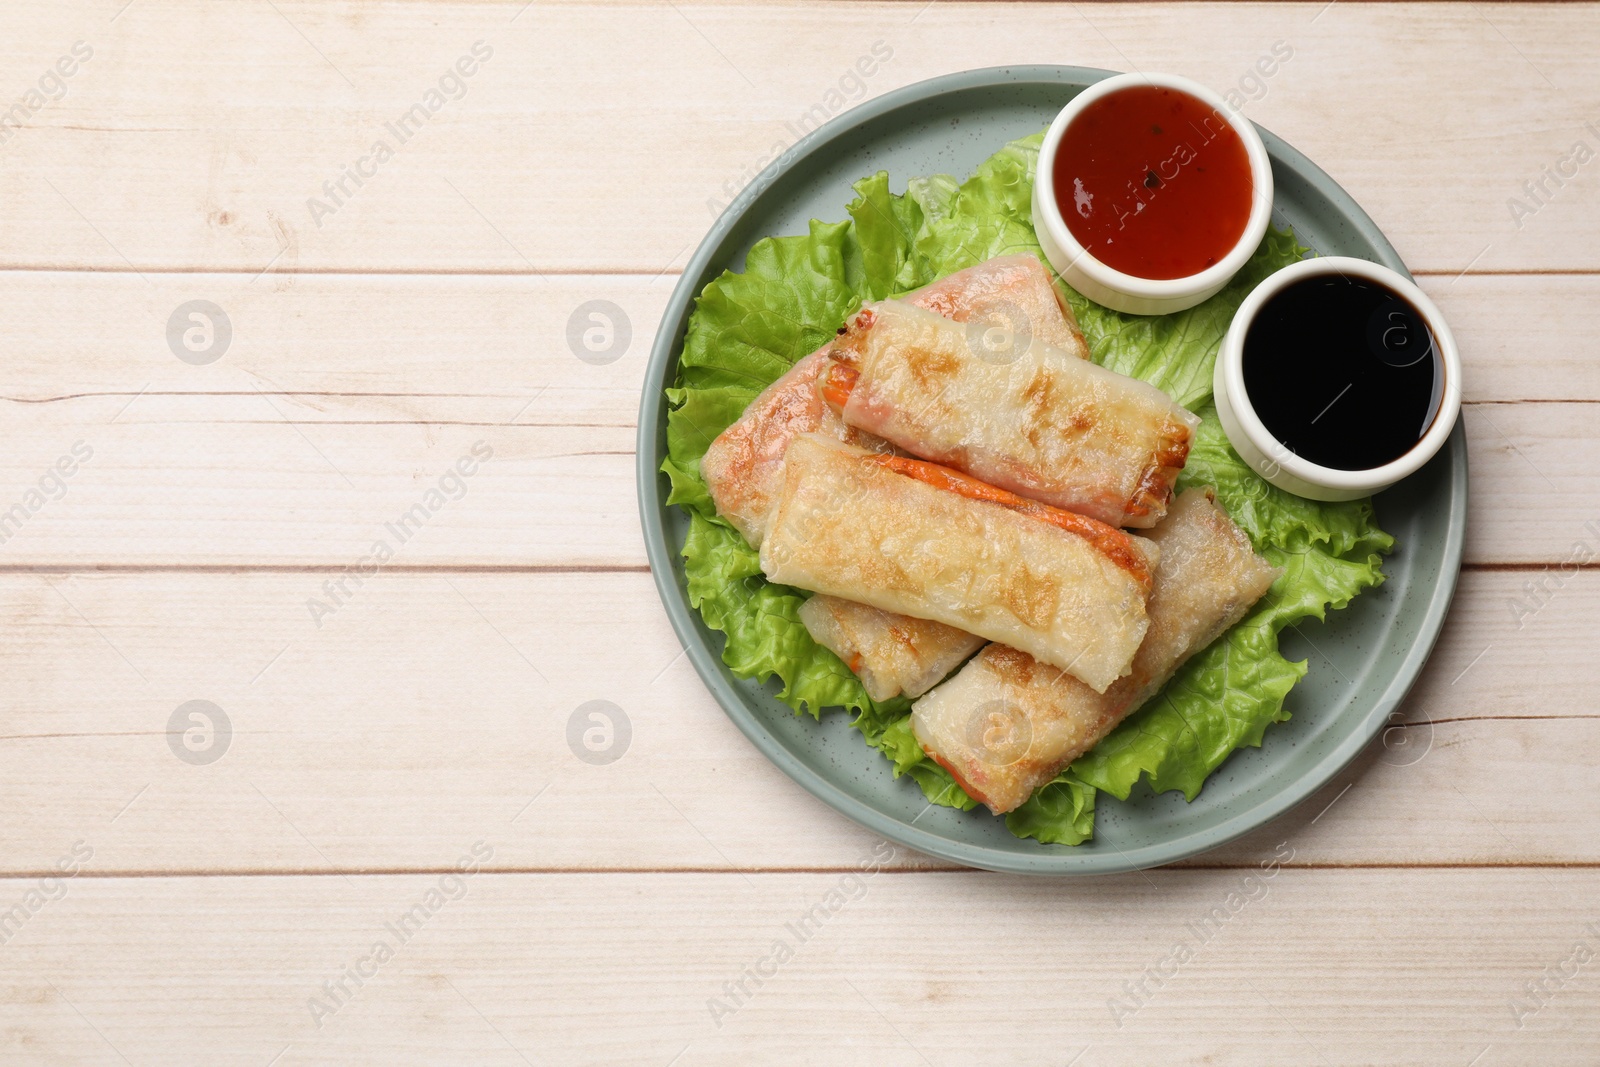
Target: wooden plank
475, 348
1523, 337
340, 400
1529, 467
500, 969
266, 486
370, 348
430, 707
549, 161
272, 492
1515, 644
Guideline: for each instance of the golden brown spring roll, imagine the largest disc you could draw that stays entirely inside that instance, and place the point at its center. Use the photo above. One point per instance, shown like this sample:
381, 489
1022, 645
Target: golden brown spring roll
1006, 724
744, 470
922, 540
1006, 299
890, 653
1031, 418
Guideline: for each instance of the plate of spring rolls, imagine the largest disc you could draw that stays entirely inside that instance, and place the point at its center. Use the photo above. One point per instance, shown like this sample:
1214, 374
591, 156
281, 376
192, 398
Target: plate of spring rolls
969, 556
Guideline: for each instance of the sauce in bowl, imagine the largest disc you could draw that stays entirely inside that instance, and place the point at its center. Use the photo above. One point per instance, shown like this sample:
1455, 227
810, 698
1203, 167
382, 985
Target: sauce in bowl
1343, 371
1153, 182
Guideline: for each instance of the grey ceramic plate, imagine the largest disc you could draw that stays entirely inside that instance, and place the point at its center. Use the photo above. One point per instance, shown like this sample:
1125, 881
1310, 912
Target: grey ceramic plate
1363, 660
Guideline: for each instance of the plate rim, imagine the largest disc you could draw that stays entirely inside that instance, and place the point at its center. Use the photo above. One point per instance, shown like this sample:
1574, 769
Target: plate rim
667, 570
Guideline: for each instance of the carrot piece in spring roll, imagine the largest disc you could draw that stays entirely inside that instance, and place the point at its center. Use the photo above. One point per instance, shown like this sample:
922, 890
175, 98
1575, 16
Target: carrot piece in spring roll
1020, 415
921, 540
1006, 723
743, 468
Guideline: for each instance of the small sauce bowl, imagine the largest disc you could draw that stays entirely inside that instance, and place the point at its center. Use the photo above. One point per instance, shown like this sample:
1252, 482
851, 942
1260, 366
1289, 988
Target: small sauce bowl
1165, 172
1365, 338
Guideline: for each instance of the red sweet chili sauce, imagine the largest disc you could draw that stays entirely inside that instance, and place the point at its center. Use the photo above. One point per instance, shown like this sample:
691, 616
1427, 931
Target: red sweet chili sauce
1153, 182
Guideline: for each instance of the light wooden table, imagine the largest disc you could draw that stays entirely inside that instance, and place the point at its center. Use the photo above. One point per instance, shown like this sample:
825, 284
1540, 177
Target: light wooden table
419, 719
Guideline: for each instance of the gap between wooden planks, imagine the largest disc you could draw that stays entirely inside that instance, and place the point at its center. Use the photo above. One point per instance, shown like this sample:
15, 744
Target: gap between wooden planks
341, 400
477, 693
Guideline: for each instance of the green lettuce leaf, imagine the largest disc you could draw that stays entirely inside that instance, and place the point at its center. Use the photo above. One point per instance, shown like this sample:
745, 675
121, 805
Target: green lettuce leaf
1061, 813
794, 292
885, 226
1268, 514
765, 636
988, 215
747, 329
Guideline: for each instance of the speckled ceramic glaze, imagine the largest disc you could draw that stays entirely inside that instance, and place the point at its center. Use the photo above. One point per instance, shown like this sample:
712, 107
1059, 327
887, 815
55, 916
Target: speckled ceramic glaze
1362, 660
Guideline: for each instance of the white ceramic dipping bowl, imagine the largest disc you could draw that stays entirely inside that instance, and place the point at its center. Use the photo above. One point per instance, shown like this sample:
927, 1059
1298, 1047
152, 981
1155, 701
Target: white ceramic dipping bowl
1126, 292
1270, 457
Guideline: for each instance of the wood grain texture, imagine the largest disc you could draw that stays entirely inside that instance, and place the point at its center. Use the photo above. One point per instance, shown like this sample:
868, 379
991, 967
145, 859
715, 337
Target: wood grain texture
475, 348
376, 740
341, 400
1345, 967
427, 707
207, 156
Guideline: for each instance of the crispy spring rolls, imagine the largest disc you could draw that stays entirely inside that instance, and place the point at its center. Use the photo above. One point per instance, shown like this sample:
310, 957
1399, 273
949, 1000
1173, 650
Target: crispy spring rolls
744, 470
1029, 418
891, 654
922, 540
744, 466
1012, 296
1006, 724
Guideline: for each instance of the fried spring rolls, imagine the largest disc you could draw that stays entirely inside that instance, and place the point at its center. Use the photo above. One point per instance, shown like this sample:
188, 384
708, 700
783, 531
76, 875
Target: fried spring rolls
922, 540
1011, 294
744, 471
744, 466
1018, 414
890, 653
1006, 724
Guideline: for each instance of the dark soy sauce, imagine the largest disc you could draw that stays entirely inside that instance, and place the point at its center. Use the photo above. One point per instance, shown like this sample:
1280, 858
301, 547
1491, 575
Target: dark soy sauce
1343, 371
